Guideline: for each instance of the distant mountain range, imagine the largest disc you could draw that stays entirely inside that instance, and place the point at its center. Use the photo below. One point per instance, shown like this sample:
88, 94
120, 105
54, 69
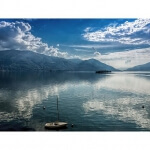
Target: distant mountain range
14, 60
144, 67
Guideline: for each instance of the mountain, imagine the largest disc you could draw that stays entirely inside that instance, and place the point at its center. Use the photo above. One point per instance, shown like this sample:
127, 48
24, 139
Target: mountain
144, 67
76, 61
93, 65
14, 60
27, 60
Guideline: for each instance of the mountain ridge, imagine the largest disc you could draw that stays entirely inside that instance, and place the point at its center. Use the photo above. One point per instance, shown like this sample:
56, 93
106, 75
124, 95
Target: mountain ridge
14, 60
143, 67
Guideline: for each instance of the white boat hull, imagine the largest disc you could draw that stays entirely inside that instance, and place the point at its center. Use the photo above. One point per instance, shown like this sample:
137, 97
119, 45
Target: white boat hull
55, 125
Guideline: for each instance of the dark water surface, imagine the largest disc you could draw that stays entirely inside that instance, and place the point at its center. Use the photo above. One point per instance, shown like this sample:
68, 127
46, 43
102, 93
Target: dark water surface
92, 102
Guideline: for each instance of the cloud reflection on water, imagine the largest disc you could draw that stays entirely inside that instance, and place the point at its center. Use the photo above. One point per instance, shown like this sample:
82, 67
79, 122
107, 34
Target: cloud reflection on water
126, 83
24, 101
19, 97
126, 108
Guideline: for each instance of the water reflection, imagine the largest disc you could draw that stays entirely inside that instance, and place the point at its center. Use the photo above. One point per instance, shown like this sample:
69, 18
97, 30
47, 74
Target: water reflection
21, 92
121, 96
126, 83
127, 105
124, 109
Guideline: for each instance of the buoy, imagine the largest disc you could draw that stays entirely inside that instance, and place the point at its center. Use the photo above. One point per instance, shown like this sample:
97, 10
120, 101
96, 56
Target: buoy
143, 106
43, 107
72, 125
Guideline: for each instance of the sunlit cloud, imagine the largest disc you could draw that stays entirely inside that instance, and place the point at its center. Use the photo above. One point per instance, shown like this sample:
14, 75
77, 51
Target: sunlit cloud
136, 32
17, 36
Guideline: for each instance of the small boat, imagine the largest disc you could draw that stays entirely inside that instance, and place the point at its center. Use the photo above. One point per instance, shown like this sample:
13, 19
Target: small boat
57, 124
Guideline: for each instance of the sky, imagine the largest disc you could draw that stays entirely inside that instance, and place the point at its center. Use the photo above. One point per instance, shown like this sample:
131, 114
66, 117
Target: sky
121, 43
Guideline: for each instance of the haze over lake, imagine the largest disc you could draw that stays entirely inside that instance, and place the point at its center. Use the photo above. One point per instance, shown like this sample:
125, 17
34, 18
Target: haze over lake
92, 102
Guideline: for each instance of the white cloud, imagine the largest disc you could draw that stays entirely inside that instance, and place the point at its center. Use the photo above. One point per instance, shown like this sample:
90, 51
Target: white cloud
125, 59
136, 32
91, 46
17, 36
97, 54
74, 57
87, 29
82, 50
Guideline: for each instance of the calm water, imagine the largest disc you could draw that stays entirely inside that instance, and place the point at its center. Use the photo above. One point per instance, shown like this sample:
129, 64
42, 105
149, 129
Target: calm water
92, 102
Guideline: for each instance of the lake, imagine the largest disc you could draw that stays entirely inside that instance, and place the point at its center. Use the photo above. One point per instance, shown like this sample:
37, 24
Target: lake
118, 101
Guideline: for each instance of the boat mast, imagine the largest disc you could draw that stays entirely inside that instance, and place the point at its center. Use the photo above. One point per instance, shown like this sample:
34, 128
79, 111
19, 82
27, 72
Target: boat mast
57, 110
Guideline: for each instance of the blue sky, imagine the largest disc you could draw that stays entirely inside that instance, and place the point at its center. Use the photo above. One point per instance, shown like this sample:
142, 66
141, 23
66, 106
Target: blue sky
121, 43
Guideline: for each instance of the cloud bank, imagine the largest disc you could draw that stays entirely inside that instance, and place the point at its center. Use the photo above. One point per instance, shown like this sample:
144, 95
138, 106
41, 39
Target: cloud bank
17, 35
136, 32
125, 59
